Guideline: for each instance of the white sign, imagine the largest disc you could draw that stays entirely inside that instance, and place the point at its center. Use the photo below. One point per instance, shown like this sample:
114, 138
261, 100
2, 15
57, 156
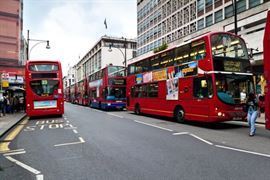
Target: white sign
12, 79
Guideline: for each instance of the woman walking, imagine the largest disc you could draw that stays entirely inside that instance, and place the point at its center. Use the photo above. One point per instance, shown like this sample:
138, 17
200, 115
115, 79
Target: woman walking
252, 107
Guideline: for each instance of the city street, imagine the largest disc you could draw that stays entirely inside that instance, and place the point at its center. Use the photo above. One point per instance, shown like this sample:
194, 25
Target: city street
90, 144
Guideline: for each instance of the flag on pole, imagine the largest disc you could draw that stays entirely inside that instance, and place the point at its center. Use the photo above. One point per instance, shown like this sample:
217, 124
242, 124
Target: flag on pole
105, 23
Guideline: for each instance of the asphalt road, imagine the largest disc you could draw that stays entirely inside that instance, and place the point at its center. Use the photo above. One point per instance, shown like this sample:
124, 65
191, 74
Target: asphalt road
93, 144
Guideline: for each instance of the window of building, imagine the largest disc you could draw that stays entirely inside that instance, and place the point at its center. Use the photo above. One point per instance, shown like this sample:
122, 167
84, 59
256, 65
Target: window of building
208, 3
201, 24
229, 11
200, 5
241, 6
209, 20
253, 3
218, 16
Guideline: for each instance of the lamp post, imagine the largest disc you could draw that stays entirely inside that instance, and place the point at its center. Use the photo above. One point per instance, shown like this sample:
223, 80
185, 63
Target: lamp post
39, 41
234, 3
123, 53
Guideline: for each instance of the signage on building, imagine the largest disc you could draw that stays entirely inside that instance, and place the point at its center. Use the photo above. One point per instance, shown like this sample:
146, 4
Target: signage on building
15, 80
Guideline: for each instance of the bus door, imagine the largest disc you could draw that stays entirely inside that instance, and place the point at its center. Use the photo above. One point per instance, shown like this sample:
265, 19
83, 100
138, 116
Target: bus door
266, 46
202, 92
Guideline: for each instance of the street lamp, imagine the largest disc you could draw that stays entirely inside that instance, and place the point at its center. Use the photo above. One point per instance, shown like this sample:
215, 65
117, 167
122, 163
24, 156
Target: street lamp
39, 41
123, 53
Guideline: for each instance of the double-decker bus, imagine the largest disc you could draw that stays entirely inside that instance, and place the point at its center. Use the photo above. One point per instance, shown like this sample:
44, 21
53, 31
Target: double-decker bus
72, 93
82, 94
267, 71
67, 94
107, 88
44, 88
207, 80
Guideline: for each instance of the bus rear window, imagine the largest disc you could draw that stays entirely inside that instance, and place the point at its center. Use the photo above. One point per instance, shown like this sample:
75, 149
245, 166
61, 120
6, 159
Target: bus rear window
44, 87
43, 67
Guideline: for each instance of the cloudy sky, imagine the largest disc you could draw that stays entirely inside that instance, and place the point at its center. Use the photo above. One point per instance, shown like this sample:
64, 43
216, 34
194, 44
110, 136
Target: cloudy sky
74, 26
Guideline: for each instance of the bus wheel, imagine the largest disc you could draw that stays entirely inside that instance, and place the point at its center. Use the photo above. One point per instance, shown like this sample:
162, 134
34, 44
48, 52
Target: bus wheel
137, 109
179, 115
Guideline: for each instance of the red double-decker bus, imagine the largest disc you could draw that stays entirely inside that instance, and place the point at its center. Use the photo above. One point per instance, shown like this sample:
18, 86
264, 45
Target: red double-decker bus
206, 80
82, 93
44, 88
267, 71
72, 93
67, 94
107, 88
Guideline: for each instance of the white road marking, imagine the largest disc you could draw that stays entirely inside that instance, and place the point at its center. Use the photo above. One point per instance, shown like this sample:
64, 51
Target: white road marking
153, 126
14, 153
41, 127
15, 150
39, 177
115, 115
201, 139
66, 144
81, 140
75, 131
180, 133
28, 168
245, 151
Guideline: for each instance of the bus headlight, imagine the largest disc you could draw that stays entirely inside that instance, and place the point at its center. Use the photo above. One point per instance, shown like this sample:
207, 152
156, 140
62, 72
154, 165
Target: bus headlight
219, 114
109, 104
28, 105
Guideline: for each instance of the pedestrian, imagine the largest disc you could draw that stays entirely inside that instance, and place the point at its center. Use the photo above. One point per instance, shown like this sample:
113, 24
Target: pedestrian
252, 112
16, 103
1, 105
11, 104
21, 103
5, 102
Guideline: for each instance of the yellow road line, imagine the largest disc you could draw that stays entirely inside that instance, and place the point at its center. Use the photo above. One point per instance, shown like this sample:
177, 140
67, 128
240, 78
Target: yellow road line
4, 145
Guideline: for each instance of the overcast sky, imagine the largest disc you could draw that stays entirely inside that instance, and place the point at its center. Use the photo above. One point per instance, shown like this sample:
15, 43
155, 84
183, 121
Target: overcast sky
74, 26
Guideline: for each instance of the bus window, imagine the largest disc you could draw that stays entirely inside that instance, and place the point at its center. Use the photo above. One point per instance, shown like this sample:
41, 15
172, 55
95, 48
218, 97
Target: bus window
155, 62
131, 69
152, 90
167, 59
142, 66
182, 54
198, 51
203, 88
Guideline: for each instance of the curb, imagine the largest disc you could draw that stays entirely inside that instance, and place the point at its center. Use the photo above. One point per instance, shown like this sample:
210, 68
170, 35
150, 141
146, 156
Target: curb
15, 124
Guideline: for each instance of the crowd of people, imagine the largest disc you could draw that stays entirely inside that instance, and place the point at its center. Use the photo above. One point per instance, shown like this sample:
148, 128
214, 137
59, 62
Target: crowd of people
11, 103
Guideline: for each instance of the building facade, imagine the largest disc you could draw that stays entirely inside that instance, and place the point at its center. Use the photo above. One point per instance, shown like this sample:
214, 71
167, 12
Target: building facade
108, 50
11, 43
174, 22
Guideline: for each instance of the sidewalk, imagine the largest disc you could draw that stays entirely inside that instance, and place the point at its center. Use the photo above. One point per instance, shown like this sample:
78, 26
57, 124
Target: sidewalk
8, 121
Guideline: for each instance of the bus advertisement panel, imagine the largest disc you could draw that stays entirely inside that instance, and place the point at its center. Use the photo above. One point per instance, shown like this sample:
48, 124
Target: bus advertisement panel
205, 80
267, 71
107, 88
44, 88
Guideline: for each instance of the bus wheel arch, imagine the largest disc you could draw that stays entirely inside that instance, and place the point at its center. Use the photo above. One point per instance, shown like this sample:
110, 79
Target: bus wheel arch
137, 109
179, 114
